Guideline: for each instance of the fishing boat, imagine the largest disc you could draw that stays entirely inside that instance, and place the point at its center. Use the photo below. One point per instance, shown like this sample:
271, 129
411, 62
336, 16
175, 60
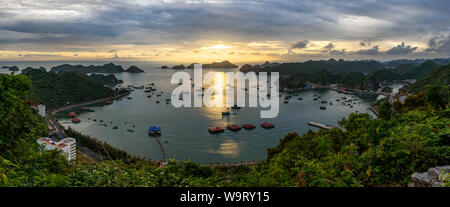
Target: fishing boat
115, 127
236, 107
267, 125
154, 131
130, 130
324, 102
234, 127
323, 108
76, 120
248, 126
300, 98
215, 130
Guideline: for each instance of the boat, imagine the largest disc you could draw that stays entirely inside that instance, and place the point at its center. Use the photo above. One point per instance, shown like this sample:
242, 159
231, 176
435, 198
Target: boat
300, 99
286, 102
157, 102
248, 126
76, 120
236, 107
154, 131
226, 113
130, 130
267, 125
115, 127
215, 130
234, 127
108, 102
324, 102
323, 108
72, 114
315, 99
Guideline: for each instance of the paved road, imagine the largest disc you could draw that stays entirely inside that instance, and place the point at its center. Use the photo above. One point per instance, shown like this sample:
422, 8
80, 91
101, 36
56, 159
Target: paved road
61, 134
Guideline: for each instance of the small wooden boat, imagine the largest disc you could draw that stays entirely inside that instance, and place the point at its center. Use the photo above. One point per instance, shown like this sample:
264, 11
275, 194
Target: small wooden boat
267, 125
215, 130
154, 131
76, 120
248, 126
234, 127
115, 127
323, 108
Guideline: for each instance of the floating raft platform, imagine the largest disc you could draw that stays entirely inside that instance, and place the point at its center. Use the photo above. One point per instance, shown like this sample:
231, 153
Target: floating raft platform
319, 125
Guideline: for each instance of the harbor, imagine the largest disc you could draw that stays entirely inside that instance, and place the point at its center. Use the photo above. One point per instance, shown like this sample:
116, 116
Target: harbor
185, 132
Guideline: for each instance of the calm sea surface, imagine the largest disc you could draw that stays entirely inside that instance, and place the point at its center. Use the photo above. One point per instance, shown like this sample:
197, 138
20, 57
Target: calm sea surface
185, 130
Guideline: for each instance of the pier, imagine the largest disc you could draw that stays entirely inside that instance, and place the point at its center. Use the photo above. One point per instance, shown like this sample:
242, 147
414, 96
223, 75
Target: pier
319, 125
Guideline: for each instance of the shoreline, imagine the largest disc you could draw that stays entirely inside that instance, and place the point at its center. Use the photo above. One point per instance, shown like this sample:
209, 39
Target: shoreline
164, 162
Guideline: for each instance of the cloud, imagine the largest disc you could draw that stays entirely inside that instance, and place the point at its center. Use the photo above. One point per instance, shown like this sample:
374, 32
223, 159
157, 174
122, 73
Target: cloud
440, 44
300, 44
79, 26
401, 50
329, 47
372, 51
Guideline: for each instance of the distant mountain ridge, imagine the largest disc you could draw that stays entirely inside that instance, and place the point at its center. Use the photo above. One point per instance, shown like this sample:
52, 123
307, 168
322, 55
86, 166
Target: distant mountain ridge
396, 63
106, 68
331, 65
223, 64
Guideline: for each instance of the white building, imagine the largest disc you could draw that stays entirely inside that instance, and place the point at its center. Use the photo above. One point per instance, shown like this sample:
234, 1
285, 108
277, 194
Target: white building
41, 109
67, 146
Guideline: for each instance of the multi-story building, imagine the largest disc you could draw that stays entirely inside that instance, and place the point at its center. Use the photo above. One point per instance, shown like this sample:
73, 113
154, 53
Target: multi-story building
41, 109
67, 146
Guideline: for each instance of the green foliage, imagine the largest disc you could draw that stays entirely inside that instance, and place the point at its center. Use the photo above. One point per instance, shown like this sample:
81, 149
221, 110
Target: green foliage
56, 89
385, 110
364, 152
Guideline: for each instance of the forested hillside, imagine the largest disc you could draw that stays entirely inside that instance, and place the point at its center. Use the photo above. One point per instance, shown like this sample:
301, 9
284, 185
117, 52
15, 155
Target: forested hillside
408, 137
58, 89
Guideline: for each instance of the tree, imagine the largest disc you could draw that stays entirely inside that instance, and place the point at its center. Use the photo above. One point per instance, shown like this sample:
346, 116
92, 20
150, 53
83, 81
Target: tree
437, 95
385, 111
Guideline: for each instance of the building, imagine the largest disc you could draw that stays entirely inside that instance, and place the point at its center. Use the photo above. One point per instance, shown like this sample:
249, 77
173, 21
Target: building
41, 109
67, 146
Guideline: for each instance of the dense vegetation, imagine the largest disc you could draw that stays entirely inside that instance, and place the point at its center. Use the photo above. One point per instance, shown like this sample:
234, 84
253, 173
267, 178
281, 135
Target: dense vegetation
408, 137
359, 80
57, 89
331, 66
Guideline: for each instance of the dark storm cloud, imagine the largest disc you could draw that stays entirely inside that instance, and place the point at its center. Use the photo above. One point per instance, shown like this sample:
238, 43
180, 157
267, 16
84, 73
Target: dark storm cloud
300, 44
372, 51
64, 22
439, 45
401, 49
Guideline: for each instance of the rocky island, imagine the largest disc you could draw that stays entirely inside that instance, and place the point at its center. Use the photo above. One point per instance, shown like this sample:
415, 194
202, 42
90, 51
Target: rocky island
223, 64
11, 68
134, 69
107, 68
28, 69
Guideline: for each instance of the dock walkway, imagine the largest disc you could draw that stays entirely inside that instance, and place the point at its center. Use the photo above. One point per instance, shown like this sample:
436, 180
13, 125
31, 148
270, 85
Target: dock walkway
319, 125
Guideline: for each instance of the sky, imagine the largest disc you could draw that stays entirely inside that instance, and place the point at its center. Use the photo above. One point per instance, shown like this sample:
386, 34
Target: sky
241, 31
